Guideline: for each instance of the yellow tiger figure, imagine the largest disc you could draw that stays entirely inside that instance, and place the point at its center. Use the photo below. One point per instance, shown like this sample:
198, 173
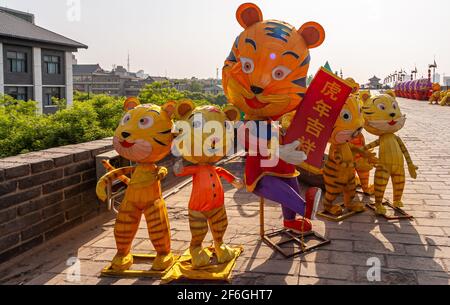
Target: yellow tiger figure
383, 118
339, 169
206, 205
445, 98
143, 136
435, 96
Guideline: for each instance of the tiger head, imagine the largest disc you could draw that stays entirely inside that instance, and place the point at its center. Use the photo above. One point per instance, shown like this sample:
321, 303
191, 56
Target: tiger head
382, 114
208, 133
436, 87
349, 123
355, 86
144, 134
265, 73
363, 93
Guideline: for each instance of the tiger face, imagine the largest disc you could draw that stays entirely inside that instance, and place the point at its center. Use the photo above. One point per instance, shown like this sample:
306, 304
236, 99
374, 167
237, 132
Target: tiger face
144, 134
265, 73
349, 123
209, 127
382, 114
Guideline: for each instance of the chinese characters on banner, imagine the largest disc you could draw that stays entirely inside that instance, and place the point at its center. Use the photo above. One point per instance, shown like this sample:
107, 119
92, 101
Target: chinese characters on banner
315, 117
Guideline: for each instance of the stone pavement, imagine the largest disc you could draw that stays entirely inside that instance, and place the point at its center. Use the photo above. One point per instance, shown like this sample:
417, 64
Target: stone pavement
410, 252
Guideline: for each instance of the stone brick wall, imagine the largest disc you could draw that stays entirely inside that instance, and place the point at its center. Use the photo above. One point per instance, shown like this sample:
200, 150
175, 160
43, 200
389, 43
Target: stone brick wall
43, 194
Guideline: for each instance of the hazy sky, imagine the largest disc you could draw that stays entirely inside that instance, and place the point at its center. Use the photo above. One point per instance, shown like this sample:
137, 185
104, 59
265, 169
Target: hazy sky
185, 38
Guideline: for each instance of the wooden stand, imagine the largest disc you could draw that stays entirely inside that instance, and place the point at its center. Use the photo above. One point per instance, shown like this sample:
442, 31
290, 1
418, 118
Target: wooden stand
347, 214
108, 271
398, 213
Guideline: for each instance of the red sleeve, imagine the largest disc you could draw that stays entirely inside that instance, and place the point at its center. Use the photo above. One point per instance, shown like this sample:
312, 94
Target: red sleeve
188, 170
225, 174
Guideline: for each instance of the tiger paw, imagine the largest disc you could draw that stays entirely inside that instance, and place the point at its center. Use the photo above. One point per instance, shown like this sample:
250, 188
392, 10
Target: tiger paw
356, 207
398, 204
121, 262
162, 262
334, 210
380, 209
199, 257
224, 253
370, 190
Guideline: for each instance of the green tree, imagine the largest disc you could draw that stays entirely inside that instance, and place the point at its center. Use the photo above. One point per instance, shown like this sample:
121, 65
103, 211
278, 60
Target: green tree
159, 92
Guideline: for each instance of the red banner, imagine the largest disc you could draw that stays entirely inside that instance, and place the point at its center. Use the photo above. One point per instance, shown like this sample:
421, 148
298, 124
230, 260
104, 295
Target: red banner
315, 117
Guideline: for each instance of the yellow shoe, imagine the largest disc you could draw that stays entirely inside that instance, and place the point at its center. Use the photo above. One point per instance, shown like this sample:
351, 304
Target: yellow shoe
120, 262
380, 209
224, 253
162, 262
334, 210
398, 204
199, 257
356, 207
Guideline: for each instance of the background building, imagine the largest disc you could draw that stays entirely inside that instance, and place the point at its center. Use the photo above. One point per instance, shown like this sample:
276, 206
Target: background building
35, 63
374, 83
118, 82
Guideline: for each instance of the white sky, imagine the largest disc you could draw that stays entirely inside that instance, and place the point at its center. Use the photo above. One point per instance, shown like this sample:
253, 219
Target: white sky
185, 38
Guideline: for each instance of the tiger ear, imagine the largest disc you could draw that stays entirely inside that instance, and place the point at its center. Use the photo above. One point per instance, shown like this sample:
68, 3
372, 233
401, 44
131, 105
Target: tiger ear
183, 108
131, 103
313, 34
232, 113
248, 14
169, 107
365, 96
390, 93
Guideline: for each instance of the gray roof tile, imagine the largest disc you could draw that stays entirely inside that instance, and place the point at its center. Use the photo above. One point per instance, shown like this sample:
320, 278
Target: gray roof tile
11, 26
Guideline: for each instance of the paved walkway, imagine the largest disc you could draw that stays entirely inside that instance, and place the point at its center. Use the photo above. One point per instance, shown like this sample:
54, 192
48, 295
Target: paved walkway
410, 252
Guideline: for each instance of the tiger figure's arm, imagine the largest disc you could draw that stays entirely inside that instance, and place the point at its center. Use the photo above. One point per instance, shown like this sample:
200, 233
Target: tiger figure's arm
109, 177
411, 167
161, 172
372, 145
368, 154
110, 168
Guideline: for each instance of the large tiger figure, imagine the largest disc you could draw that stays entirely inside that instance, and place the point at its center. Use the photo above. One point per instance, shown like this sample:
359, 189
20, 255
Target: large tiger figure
339, 170
143, 136
206, 205
265, 77
383, 118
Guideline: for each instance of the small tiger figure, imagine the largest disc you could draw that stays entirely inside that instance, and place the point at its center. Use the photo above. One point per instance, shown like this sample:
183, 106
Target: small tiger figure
143, 136
206, 205
445, 98
383, 118
435, 96
339, 169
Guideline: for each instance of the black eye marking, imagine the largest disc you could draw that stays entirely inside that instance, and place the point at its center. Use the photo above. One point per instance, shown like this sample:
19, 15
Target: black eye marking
291, 53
